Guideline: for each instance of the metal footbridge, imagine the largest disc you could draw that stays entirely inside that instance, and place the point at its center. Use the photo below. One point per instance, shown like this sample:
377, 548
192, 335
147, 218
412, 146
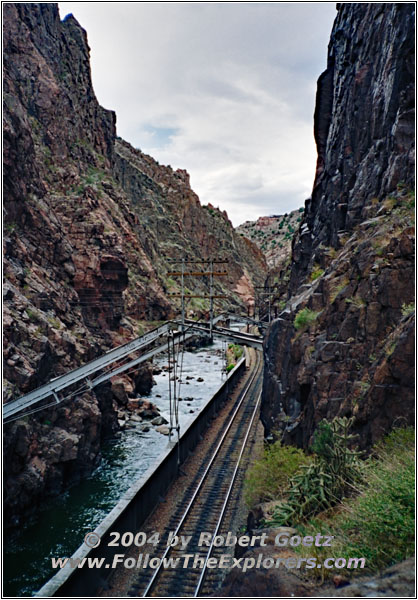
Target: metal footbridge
119, 360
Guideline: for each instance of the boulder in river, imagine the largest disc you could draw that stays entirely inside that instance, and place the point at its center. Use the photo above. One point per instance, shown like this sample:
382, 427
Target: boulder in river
159, 421
163, 429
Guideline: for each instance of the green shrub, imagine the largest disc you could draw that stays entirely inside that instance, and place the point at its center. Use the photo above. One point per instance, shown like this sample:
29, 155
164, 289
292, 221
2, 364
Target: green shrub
236, 350
357, 301
304, 318
10, 227
408, 309
379, 523
316, 273
33, 315
269, 475
54, 322
330, 476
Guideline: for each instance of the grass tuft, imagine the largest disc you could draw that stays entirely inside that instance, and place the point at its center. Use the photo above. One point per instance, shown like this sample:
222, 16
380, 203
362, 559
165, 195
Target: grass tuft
408, 309
378, 524
305, 318
316, 273
269, 475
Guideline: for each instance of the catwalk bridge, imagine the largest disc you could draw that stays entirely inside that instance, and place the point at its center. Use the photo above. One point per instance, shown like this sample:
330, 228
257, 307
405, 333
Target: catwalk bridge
211, 453
121, 359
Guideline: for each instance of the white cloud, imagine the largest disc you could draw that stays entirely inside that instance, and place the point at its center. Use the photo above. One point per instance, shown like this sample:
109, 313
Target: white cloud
225, 90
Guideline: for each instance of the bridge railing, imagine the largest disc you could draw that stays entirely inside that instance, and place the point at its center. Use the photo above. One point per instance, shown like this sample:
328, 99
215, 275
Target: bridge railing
14, 408
56, 385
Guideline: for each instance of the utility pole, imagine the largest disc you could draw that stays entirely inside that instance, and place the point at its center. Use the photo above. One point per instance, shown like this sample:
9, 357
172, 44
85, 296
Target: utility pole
208, 273
211, 301
269, 294
183, 311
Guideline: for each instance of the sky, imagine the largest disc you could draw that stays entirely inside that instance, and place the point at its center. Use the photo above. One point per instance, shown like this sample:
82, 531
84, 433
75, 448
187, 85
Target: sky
223, 90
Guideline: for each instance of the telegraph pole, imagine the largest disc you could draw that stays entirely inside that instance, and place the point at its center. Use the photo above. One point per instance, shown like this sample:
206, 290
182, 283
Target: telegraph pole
211, 273
183, 311
269, 293
211, 300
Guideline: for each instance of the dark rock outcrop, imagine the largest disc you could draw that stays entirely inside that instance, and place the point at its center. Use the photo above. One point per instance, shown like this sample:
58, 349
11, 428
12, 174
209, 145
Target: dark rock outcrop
363, 124
351, 352
397, 581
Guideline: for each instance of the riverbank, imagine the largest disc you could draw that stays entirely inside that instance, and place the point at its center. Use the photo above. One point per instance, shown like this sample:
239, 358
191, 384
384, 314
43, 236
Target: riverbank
59, 527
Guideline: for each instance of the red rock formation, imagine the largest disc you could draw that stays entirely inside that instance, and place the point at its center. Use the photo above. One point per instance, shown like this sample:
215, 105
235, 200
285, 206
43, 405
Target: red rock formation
89, 225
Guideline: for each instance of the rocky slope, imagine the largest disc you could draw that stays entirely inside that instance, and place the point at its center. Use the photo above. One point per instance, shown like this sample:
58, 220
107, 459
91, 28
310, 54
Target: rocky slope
344, 344
89, 225
273, 235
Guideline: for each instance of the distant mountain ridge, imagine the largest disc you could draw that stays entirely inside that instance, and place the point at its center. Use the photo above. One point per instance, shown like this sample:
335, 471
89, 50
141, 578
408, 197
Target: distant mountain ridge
273, 235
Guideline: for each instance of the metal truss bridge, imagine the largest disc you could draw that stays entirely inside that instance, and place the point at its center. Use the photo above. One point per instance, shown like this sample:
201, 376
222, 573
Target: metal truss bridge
122, 358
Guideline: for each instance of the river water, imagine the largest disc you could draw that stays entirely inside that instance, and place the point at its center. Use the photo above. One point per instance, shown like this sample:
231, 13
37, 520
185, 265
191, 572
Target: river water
58, 529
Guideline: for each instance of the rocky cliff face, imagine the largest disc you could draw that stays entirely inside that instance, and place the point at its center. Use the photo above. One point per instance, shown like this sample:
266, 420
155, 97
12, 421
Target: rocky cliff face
89, 225
273, 235
344, 343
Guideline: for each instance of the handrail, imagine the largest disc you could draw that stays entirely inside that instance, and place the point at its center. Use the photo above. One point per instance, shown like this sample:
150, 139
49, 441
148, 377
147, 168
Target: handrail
63, 381
15, 407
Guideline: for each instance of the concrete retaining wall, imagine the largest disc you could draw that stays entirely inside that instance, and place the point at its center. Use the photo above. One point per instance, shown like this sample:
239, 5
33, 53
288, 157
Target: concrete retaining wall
136, 504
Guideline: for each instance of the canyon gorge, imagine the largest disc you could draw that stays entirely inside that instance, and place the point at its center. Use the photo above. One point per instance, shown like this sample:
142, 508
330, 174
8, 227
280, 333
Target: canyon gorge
92, 223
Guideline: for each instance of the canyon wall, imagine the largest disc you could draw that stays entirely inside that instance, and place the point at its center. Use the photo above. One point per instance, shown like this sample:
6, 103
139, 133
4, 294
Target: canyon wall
273, 235
89, 225
344, 344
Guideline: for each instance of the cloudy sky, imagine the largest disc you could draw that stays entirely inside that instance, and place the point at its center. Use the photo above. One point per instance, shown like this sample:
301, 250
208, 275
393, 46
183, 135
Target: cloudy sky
224, 90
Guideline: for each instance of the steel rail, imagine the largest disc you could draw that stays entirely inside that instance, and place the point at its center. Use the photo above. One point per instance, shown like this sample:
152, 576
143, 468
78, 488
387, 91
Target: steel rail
227, 497
203, 478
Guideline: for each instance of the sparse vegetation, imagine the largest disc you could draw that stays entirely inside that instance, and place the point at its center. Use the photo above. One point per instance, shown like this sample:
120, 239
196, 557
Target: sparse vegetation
356, 301
317, 271
33, 315
332, 253
336, 289
408, 309
269, 475
304, 318
54, 322
273, 237
390, 203
363, 386
10, 227
390, 348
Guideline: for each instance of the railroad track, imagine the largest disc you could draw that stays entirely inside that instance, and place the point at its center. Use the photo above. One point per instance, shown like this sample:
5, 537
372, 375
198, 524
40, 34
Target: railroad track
208, 505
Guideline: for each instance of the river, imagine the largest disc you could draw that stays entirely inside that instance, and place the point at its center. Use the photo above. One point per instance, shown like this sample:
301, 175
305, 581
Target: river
58, 529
